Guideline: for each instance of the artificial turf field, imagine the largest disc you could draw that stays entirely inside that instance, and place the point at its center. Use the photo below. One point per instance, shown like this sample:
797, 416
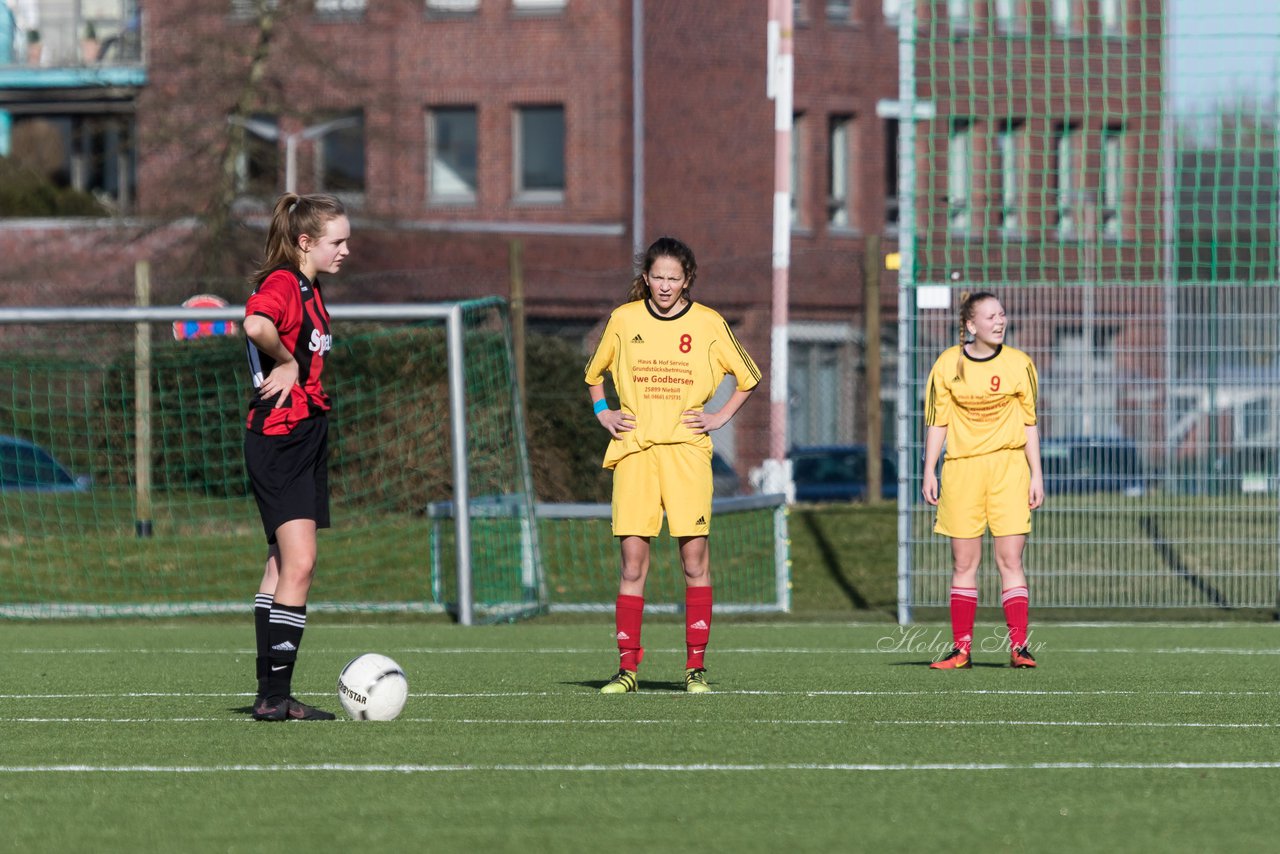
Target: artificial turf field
818, 737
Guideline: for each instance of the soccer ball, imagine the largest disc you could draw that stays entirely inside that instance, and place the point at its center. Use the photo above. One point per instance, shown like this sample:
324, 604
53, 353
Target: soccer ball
372, 687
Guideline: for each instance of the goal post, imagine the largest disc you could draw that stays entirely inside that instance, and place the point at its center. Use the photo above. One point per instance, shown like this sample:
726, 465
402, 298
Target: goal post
71, 538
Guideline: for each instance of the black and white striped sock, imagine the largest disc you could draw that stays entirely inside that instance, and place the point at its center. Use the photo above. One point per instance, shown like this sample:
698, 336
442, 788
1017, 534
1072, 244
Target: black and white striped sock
285, 637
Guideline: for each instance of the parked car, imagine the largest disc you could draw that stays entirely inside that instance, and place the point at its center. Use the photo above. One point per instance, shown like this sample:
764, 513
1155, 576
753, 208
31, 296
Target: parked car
838, 473
1082, 464
724, 479
27, 466
1248, 470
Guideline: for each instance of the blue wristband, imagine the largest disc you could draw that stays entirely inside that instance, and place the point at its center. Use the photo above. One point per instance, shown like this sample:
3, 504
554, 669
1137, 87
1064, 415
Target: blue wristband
600, 406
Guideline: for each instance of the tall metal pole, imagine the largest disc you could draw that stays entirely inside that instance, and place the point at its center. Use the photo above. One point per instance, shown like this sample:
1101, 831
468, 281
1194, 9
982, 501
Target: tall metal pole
1169, 232
291, 163
781, 67
637, 127
461, 488
906, 291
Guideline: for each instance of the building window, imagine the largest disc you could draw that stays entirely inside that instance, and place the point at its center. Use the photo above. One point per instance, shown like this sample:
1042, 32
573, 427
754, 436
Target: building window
540, 173
892, 11
340, 157
840, 190
1065, 171
251, 8
538, 5
1012, 148
960, 15
891, 175
1011, 16
92, 155
821, 378
959, 197
1112, 13
1112, 183
1066, 16
258, 163
452, 168
340, 8
797, 176
838, 11
452, 7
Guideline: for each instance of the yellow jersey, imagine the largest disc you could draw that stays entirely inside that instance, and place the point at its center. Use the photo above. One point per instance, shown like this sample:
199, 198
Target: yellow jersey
990, 409
662, 366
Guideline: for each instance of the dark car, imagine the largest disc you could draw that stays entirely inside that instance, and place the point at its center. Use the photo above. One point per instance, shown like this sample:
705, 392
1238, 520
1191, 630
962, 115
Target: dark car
723, 477
27, 466
838, 473
1082, 464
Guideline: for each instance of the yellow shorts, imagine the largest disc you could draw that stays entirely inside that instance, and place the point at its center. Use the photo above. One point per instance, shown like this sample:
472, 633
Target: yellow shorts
674, 478
990, 490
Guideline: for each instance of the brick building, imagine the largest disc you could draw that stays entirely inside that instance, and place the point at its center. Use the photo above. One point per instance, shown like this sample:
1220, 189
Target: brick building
454, 128
458, 128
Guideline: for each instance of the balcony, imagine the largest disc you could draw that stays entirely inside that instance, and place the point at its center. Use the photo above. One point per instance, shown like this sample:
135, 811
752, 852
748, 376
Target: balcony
67, 44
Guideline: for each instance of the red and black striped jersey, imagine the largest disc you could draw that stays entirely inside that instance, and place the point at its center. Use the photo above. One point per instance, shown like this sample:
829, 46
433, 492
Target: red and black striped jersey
293, 303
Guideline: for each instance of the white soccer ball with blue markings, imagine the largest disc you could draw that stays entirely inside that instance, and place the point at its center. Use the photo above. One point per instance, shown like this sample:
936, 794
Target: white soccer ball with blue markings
372, 687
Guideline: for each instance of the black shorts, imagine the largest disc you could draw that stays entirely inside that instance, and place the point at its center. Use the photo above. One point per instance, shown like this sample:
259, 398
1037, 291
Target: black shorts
290, 474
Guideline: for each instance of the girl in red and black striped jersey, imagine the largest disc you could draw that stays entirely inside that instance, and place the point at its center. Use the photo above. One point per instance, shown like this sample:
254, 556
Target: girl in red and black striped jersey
286, 438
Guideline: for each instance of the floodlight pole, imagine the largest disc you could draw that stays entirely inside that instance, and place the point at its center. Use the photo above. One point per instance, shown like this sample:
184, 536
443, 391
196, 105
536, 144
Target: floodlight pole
780, 84
272, 133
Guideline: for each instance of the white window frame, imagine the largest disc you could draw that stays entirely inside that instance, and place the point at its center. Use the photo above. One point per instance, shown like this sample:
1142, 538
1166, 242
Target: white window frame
1111, 201
340, 8
798, 219
1112, 13
1010, 15
829, 413
1065, 16
1066, 143
960, 15
539, 195
435, 195
840, 191
1011, 142
892, 10
539, 5
452, 7
249, 8
959, 177
842, 9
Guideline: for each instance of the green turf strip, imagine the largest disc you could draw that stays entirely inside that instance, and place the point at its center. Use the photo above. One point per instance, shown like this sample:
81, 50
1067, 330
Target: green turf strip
819, 737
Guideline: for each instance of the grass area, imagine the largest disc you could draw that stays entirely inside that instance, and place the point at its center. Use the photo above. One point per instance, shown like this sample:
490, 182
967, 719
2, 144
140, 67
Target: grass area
844, 560
819, 737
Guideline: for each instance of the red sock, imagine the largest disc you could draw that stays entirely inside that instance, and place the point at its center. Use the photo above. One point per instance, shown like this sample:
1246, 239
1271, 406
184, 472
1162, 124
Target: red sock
1015, 615
628, 617
697, 623
964, 607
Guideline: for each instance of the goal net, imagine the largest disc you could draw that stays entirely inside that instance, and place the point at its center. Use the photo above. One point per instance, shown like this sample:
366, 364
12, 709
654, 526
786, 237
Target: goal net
426, 410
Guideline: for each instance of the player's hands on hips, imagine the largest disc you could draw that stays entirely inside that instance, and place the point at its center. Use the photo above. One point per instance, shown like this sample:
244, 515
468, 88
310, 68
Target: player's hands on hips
1036, 496
281, 380
617, 422
701, 422
930, 488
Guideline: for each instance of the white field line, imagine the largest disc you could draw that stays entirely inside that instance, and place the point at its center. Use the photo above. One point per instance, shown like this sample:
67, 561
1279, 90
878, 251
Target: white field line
674, 721
855, 767
891, 650
1139, 724
447, 695
461, 721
